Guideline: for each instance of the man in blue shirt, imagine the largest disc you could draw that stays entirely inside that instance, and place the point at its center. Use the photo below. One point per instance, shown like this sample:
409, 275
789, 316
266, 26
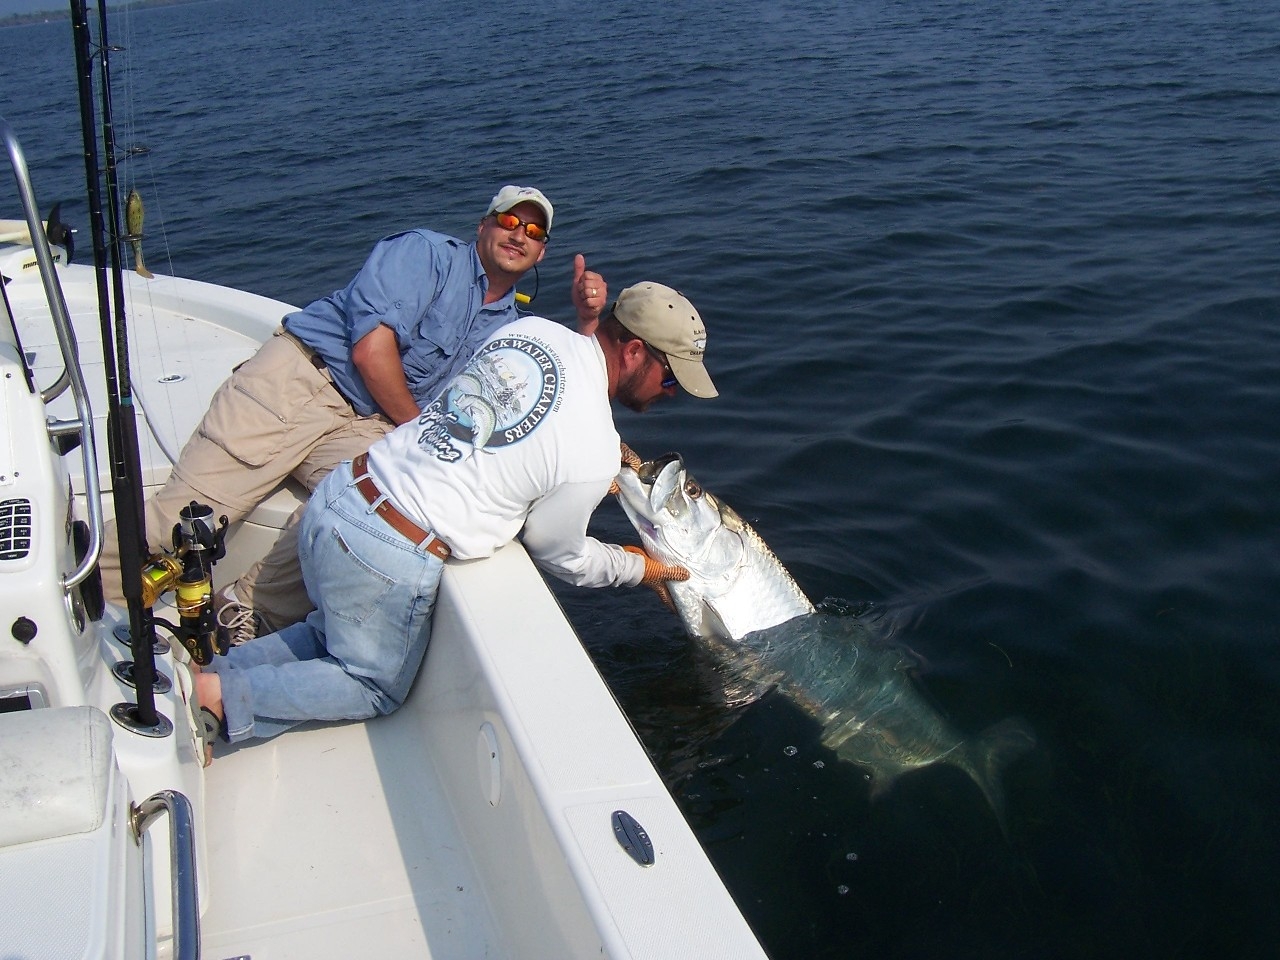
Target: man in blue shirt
342, 373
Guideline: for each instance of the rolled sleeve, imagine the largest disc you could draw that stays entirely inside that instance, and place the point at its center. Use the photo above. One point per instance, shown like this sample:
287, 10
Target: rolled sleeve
395, 287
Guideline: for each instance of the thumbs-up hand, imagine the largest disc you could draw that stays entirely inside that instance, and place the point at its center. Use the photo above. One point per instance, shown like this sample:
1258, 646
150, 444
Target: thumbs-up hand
589, 293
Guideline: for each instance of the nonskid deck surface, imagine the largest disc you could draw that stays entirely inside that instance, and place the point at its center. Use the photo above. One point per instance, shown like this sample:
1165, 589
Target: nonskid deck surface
337, 841
182, 344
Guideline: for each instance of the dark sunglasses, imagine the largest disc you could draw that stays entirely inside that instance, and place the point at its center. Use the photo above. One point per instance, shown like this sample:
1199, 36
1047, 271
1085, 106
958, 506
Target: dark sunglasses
534, 231
668, 378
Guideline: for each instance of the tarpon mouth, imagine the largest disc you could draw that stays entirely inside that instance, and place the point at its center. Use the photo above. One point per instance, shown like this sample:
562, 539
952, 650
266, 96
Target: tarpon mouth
662, 475
649, 470
638, 494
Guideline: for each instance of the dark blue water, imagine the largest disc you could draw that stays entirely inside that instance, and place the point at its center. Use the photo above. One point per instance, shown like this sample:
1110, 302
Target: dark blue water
993, 295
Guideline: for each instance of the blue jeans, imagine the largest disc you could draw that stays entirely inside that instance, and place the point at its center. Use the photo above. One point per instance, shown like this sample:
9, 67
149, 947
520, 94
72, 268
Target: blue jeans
356, 655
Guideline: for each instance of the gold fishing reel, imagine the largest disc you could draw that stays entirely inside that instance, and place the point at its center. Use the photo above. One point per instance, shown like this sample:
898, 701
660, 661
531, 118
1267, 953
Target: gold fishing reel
188, 571
158, 577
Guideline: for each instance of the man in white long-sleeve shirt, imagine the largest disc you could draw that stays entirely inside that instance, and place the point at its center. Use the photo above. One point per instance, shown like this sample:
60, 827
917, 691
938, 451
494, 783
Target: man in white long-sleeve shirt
523, 439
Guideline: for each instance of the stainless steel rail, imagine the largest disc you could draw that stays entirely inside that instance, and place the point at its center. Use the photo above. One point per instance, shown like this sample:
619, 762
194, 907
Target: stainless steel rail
82, 425
182, 854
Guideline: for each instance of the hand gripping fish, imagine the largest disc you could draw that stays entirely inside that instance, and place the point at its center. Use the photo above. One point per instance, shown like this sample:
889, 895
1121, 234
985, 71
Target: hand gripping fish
133, 214
761, 632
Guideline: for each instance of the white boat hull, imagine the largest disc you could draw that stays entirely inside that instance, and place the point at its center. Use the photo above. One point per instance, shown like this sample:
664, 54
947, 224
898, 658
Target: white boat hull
476, 821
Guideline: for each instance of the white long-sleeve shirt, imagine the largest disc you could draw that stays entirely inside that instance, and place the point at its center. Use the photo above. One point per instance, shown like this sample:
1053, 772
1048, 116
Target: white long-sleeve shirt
521, 439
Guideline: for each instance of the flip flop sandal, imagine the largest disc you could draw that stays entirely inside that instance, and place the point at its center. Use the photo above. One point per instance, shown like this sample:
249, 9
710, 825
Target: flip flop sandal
208, 729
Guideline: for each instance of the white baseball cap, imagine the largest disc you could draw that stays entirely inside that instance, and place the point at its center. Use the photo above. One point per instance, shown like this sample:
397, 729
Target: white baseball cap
512, 196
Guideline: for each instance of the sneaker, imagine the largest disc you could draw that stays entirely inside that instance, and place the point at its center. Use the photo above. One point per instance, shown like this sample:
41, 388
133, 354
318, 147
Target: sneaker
236, 619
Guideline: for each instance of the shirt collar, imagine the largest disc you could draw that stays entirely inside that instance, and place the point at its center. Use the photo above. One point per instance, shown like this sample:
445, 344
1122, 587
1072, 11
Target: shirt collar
482, 281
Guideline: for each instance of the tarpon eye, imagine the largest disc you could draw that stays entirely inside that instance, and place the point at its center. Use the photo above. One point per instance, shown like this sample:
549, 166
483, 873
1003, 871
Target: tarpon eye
692, 490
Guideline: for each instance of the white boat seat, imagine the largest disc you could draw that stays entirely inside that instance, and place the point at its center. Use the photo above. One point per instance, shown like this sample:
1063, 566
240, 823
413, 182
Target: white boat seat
55, 770
70, 868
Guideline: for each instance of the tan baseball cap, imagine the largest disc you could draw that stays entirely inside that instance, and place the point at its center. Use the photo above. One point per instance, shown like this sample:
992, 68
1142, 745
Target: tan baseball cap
665, 320
512, 196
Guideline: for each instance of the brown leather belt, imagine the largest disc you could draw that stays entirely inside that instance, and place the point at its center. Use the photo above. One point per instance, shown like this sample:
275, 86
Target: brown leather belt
393, 517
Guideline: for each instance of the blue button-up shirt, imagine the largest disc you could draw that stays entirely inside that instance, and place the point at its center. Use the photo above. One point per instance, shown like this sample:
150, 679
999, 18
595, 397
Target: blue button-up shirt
429, 289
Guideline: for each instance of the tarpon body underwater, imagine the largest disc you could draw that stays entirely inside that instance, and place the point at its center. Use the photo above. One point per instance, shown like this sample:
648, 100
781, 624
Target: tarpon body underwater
743, 606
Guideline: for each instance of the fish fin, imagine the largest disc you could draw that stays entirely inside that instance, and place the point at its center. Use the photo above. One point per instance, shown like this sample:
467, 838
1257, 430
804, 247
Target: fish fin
880, 775
712, 623
988, 754
881, 782
139, 267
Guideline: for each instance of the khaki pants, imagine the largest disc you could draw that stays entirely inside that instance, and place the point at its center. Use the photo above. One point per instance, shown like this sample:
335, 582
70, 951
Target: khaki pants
276, 416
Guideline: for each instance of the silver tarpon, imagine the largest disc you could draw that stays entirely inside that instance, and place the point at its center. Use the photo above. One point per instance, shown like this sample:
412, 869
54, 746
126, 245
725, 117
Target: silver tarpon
747, 611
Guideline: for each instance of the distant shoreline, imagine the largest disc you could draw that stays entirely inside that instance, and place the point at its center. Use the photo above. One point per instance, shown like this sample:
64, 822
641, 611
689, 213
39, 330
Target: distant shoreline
62, 13
40, 16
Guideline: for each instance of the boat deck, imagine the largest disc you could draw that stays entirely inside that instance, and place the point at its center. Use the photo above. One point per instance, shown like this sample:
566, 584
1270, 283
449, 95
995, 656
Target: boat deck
358, 848
184, 336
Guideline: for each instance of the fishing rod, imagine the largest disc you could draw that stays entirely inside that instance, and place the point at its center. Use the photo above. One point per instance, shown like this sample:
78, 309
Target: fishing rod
198, 543
122, 428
